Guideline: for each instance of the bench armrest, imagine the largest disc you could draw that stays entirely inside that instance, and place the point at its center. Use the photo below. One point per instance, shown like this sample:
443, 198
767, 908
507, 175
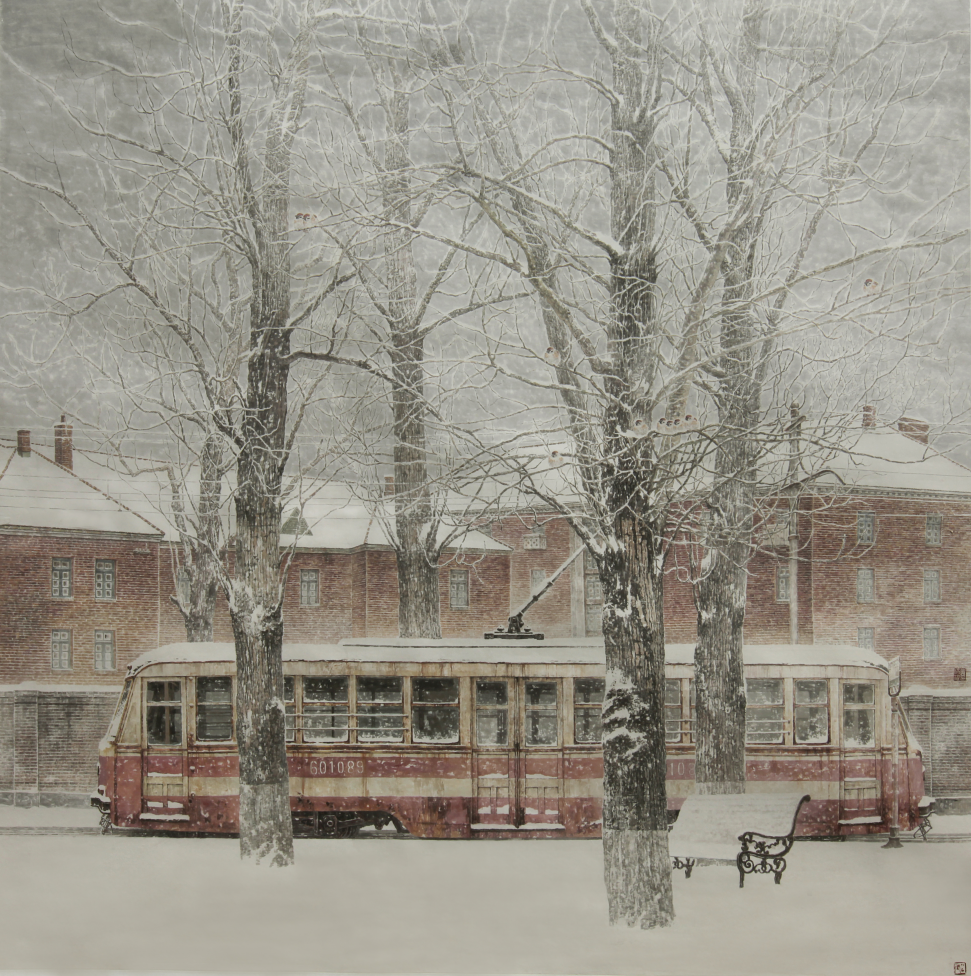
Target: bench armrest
765, 845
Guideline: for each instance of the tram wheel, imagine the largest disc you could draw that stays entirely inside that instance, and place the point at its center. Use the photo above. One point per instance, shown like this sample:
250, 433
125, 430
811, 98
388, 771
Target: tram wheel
328, 825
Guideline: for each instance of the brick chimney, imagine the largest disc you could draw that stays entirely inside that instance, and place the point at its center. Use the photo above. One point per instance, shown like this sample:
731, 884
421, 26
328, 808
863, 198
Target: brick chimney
916, 430
389, 484
869, 416
63, 444
23, 443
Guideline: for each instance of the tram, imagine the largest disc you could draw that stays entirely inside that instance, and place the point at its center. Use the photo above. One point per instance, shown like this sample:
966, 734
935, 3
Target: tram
490, 739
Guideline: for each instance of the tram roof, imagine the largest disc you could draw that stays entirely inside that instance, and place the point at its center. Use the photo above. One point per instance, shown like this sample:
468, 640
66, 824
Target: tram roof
561, 650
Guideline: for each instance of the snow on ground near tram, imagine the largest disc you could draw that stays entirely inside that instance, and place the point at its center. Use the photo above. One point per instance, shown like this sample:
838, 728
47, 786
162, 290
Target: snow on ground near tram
404, 906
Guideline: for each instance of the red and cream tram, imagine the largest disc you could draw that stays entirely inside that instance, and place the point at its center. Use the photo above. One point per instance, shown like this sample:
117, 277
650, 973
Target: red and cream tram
477, 738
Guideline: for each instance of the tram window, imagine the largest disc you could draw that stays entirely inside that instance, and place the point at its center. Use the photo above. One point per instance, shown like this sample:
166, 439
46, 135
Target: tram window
588, 697
325, 709
858, 714
163, 712
491, 713
541, 713
764, 713
435, 710
672, 710
811, 712
214, 709
380, 710
289, 703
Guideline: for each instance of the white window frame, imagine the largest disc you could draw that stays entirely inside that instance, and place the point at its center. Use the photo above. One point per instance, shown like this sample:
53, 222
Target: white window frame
62, 568
932, 651
783, 583
59, 639
458, 582
933, 529
105, 579
308, 576
866, 528
105, 639
932, 586
866, 585
537, 580
866, 638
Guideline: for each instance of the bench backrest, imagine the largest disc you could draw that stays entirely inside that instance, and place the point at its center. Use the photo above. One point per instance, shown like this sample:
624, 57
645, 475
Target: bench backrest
720, 819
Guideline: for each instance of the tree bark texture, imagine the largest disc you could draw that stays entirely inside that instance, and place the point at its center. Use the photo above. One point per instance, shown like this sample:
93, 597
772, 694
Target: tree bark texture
256, 592
637, 870
720, 593
415, 527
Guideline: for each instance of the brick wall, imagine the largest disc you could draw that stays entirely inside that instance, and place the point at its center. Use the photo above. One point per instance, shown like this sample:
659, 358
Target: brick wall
942, 725
28, 612
898, 556
49, 743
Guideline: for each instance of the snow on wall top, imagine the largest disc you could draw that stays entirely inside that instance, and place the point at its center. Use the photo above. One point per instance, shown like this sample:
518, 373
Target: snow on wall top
565, 650
37, 493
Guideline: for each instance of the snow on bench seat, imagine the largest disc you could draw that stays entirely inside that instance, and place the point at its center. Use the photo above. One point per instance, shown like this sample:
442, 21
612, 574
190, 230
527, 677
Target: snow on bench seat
755, 830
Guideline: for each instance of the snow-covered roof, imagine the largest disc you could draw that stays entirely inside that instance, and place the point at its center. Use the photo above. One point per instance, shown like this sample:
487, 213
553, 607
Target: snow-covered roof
37, 493
884, 458
565, 650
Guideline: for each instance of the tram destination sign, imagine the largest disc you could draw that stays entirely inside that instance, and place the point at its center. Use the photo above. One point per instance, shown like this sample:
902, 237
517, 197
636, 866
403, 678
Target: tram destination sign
894, 677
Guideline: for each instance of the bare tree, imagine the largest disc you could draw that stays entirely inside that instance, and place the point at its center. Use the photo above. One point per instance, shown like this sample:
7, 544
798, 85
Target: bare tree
209, 146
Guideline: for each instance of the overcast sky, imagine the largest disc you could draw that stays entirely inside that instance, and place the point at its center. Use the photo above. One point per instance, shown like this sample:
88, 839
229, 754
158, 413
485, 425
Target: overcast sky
36, 35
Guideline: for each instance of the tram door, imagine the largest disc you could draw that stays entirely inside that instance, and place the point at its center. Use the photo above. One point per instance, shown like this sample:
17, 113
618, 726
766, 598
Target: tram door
517, 760
163, 757
860, 782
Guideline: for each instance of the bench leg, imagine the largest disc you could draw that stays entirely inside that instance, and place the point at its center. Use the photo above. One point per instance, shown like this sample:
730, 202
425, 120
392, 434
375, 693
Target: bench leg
687, 863
749, 863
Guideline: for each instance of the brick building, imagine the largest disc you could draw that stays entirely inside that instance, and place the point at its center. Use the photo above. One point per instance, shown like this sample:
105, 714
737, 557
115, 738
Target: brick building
881, 557
78, 601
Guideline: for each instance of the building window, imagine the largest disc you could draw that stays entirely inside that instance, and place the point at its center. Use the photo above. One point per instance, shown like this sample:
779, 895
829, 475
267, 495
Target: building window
458, 589
541, 713
61, 650
104, 579
214, 709
325, 709
491, 713
290, 706
61, 573
163, 712
104, 650
183, 586
932, 643
858, 713
672, 710
537, 580
435, 710
535, 538
764, 712
932, 530
782, 584
864, 638
932, 586
381, 716
588, 697
776, 533
811, 711
864, 528
864, 585
309, 588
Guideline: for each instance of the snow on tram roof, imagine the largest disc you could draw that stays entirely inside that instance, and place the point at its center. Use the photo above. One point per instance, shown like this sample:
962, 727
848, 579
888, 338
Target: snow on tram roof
560, 650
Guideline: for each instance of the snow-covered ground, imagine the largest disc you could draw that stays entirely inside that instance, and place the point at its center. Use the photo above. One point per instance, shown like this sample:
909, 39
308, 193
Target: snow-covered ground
408, 906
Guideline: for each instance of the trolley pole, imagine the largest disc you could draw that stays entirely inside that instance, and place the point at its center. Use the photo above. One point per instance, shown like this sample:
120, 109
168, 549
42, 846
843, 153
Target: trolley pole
894, 840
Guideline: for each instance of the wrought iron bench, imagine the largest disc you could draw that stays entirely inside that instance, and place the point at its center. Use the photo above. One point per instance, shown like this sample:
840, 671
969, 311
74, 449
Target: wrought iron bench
755, 830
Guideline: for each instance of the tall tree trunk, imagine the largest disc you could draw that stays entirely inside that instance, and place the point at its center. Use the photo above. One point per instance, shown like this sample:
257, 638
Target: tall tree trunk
637, 869
720, 594
201, 549
415, 528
